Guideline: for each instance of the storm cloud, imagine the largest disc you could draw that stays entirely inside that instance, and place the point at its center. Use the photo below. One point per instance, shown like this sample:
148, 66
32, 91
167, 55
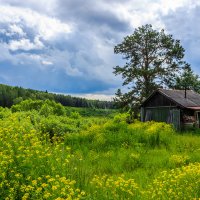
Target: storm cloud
67, 46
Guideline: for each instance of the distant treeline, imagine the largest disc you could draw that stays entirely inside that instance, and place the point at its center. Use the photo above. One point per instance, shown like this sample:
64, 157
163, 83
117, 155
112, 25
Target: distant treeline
10, 95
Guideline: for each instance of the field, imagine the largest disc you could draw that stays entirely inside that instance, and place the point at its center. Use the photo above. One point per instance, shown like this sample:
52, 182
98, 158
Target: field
48, 151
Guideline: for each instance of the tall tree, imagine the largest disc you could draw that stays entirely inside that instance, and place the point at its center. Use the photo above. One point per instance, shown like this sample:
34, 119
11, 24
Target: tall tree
152, 58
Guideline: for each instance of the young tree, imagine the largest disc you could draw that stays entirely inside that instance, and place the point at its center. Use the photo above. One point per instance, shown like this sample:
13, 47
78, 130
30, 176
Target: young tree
153, 58
187, 80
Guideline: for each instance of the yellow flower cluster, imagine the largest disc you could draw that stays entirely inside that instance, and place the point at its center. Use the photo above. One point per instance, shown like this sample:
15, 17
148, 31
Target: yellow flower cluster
179, 160
180, 183
152, 133
30, 166
48, 187
36, 166
115, 187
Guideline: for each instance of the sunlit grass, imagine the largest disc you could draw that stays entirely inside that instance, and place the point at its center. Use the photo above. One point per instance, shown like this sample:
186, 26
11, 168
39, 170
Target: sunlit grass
74, 157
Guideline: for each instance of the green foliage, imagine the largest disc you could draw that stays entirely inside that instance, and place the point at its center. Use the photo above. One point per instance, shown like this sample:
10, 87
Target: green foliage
154, 134
75, 115
179, 183
187, 80
54, 127
152, 59
115, 188
4, 112
17, 100
92, 112
28, 105
68, 156
45, 108
13, 95
30, 167
52, 108
122, 117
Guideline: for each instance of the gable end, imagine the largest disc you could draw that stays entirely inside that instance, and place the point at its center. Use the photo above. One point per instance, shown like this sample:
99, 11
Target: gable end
157, 99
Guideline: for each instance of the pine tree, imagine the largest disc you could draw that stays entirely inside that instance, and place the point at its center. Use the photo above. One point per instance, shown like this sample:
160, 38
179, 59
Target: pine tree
152, 58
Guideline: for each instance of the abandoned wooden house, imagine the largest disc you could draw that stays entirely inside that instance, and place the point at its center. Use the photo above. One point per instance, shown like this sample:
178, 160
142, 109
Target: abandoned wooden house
178, 107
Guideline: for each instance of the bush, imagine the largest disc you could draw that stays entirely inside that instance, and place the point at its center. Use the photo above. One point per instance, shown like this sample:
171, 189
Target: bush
75, 115
55, 127
45, 108
152, 133
121, 117
27, 105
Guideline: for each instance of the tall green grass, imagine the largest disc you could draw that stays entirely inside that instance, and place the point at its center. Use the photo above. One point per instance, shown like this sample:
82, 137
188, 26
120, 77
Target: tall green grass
68, 156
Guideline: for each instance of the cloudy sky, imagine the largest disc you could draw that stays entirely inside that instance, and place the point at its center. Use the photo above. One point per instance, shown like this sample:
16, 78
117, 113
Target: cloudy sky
66, 46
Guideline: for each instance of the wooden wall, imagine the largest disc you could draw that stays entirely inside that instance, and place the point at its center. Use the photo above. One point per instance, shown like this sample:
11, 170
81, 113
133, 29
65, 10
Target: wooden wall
158, 100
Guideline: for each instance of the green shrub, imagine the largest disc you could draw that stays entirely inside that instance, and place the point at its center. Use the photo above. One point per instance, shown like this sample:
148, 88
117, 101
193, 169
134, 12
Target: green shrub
27, 105
45, 108
75, 115
55, 127
152, 133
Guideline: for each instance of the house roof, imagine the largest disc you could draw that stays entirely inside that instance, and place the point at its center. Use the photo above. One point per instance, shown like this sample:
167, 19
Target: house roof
192, 100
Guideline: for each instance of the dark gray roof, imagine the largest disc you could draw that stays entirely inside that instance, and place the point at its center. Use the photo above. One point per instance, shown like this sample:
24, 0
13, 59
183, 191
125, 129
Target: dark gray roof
192, 98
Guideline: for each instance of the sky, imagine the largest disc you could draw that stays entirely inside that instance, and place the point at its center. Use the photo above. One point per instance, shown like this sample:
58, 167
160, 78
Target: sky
66, 46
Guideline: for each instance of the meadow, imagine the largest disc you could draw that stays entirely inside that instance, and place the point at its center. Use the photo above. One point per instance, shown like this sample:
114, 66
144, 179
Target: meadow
48, 151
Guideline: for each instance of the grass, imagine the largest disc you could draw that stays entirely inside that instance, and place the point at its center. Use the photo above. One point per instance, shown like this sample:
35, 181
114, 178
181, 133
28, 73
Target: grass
70, 156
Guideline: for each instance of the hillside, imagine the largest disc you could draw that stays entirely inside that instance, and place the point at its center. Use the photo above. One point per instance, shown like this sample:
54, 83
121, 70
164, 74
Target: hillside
10, 95
52, 152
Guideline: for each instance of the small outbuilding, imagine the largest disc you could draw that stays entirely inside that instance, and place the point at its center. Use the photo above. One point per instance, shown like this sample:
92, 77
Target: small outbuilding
178, 107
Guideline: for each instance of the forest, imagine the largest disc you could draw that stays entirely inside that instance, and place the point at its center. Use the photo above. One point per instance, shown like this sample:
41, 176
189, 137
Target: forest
10, 95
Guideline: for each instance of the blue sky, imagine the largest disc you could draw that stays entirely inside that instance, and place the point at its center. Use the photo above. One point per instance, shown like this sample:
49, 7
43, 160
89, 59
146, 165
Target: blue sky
66, 46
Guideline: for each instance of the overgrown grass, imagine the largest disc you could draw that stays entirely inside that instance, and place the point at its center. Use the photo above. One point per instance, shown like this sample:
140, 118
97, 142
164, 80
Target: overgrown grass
55, 155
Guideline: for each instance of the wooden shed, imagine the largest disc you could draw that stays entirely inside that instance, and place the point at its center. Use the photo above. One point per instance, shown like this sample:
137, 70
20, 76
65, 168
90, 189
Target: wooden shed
178, 107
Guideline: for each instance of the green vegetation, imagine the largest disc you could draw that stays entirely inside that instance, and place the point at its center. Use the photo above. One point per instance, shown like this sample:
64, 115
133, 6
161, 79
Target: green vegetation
48, 151
12, 95
187, 80
153, 59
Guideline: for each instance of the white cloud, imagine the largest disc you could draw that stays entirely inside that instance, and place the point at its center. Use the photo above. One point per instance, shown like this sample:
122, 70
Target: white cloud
35, 57
103, 97
77, 41
16, 29
73, 72
40, 6
25, 44
46, 62
46, 27
140, 12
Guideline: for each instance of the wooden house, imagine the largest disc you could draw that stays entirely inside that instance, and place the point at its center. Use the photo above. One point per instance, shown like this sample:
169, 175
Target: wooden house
178, 107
